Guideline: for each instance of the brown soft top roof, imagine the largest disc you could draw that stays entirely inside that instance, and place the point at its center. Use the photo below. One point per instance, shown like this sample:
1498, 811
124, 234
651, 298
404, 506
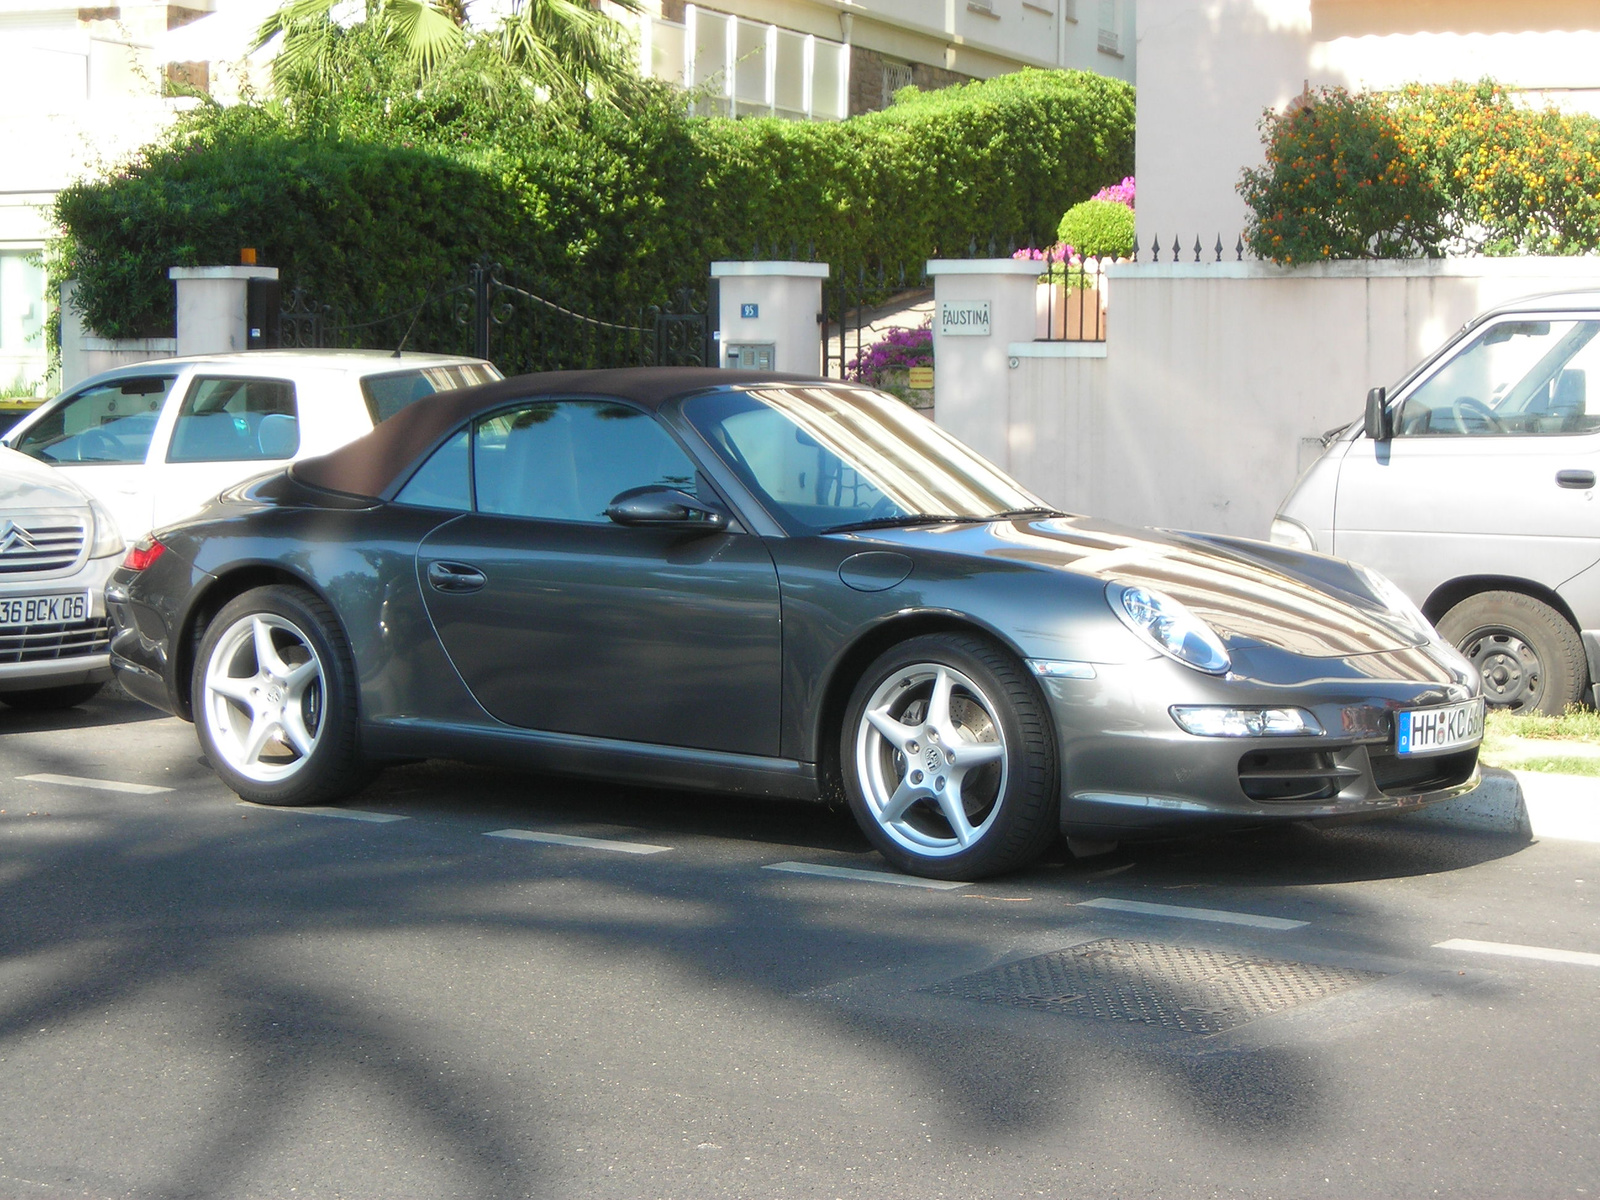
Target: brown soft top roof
378, 464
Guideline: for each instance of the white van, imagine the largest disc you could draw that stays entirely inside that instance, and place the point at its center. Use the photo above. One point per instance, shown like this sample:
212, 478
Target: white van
1471, 484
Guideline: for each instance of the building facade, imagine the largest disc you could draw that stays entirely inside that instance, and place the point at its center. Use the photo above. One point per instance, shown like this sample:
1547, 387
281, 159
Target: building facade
829, 59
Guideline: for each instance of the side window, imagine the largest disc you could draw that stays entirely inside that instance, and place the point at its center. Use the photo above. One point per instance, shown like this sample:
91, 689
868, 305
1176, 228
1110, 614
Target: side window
442, 481
1517, 378
109, 423
236, 420
566, 460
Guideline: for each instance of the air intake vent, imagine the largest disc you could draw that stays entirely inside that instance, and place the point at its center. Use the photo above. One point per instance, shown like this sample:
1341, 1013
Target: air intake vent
39, 546
1292, 776
47, 643
1406, 776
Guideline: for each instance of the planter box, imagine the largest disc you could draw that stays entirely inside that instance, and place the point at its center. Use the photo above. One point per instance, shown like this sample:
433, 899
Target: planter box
1069, 314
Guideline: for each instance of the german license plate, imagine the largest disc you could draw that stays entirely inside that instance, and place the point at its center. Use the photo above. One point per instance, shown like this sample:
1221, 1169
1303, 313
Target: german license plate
43, 610
1447, 727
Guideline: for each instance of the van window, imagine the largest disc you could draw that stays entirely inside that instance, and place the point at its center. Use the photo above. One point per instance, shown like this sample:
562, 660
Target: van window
1516, 378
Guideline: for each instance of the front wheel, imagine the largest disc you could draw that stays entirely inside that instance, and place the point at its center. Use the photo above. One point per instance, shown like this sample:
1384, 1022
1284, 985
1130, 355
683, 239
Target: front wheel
1529, 656
274, 699
948, 759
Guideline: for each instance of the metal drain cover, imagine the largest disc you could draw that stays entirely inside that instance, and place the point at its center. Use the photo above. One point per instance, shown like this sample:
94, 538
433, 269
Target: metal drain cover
1175, 987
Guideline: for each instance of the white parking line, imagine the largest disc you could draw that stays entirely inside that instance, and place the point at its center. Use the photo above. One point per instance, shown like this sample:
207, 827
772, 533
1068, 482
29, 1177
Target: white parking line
572, 839
800, 868
342, 814
1512, 950
1216, 916
99, 785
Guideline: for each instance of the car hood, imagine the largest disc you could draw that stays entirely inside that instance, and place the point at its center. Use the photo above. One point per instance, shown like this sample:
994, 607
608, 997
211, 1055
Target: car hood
1249, 592
28, 484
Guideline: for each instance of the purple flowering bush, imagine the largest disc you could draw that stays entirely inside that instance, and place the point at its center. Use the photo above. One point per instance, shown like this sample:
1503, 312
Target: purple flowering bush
884, 363
1117, 193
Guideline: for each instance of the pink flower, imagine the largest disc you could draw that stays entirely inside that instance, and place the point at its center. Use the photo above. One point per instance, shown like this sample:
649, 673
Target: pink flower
1118, 193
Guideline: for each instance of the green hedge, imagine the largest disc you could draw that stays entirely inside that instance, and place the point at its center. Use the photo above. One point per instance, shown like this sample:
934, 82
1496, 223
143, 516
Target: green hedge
370, 200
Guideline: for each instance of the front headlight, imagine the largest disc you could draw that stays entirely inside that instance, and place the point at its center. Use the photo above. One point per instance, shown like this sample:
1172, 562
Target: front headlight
1291, 534
1397, 602
1169, 627
107, 537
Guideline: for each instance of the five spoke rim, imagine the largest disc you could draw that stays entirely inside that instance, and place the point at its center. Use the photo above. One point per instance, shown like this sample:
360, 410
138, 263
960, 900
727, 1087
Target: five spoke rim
931, 759
263, 698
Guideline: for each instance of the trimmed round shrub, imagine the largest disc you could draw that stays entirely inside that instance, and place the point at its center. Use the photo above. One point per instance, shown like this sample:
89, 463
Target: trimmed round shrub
1098, 229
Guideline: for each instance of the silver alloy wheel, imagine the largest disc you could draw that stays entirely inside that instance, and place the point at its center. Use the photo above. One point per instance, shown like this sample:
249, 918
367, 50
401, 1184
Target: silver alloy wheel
930, 758
264, 690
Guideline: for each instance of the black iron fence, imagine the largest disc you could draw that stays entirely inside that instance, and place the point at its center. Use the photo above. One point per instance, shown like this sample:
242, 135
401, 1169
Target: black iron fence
519, 322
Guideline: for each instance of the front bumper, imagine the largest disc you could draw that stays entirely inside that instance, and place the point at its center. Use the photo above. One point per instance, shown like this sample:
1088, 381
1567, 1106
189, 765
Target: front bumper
35, 656
1127, 768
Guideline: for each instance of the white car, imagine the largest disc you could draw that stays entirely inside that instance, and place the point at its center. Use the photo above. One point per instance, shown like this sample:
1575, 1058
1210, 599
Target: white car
57, 546
154, 441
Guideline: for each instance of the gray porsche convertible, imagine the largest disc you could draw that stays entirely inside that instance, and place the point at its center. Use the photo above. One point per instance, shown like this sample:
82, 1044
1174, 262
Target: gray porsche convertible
778, 586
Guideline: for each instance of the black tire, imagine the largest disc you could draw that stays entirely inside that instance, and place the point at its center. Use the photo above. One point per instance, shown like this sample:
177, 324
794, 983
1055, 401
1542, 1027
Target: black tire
1009, 799
1529, 655
303, 632
51, 699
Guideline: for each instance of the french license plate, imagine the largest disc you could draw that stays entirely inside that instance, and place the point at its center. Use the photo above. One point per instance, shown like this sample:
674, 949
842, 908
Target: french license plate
44, 610
1447, 727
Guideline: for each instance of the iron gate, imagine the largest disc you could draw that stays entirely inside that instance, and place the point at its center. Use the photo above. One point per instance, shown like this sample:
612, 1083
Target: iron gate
491, 312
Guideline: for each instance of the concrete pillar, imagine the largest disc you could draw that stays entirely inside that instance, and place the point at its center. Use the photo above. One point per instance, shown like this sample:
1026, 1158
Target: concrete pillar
979, 305
769, 313
211, 307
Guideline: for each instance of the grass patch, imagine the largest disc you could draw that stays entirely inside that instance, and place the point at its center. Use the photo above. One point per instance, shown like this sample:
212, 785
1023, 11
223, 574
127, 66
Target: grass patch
1576, 724
1506, 737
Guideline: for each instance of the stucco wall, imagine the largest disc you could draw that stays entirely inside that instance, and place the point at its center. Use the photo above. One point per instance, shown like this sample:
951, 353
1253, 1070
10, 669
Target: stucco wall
1208, 68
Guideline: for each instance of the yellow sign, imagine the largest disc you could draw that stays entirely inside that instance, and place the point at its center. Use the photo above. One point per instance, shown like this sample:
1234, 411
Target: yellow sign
921, 378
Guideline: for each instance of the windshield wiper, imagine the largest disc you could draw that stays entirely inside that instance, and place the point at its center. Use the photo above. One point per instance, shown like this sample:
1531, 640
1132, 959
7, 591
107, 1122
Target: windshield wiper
901, 519
1026, 512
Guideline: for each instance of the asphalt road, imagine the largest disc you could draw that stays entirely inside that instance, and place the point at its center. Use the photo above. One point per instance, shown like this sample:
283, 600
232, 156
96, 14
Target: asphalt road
200, 998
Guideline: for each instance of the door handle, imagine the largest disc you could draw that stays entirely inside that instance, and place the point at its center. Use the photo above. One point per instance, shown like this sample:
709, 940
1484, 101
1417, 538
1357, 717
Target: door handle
1575, 479
455, 577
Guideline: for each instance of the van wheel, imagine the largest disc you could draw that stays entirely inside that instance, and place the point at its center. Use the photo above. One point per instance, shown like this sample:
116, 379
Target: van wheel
1530, 657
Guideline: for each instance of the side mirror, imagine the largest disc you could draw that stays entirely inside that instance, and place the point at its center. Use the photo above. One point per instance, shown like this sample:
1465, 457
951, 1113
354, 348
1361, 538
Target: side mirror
657, 507
1379, 428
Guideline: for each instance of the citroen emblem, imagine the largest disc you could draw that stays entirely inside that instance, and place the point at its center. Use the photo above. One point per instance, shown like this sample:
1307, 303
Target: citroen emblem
14, 537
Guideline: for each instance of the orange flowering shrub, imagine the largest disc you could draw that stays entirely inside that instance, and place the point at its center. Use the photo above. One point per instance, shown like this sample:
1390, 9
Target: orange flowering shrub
1463, 168
1518, 180
1341, 180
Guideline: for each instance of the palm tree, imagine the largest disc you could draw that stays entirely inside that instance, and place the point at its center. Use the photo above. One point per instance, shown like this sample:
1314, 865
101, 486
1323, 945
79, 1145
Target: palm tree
569, 47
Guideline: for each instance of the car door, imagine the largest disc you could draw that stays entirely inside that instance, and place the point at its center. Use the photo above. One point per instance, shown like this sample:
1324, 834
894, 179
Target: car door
100, 438
1492, 466
227, 427
558, 619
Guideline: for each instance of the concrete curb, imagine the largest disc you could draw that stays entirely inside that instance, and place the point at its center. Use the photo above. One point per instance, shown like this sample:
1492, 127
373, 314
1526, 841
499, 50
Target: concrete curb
1527, 804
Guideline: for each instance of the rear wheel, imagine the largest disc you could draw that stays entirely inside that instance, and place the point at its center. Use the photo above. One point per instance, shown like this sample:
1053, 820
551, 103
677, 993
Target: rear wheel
1530, 657
52, 698
948, 759
274, 699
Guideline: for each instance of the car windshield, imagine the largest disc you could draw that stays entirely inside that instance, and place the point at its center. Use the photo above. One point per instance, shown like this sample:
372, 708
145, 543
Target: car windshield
388, 394
825, 459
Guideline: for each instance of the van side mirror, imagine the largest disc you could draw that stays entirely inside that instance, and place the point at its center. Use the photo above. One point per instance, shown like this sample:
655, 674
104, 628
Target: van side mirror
1379, 428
